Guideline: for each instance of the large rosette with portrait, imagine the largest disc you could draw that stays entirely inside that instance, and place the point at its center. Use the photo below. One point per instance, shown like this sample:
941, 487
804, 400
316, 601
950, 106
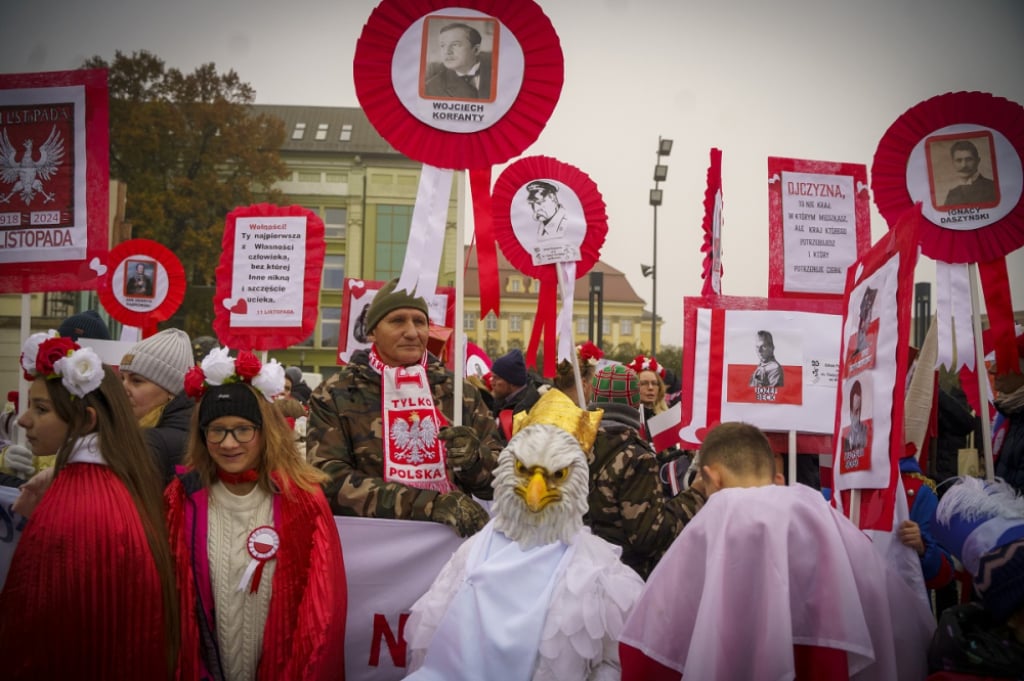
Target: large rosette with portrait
457, 86
142, 284
958, 155
550, 222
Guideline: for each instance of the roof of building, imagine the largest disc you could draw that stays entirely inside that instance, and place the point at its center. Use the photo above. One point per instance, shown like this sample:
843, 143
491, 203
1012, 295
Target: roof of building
617, 288
364, 138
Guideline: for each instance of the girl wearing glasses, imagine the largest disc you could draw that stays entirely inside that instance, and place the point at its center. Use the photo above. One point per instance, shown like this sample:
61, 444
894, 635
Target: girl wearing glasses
260, 567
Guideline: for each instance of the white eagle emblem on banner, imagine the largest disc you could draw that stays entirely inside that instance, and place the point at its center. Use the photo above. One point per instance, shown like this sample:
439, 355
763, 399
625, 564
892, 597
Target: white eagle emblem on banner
413, 438
28, 175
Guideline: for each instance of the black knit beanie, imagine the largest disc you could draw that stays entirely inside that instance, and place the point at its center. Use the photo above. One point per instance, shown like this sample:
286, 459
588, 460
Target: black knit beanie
86, 324
388, 300
233, 399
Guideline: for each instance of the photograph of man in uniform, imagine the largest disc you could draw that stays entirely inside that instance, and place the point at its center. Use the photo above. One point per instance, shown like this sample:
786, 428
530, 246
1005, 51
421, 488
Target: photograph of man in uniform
547, 209
768, 373
464, 71
138, 280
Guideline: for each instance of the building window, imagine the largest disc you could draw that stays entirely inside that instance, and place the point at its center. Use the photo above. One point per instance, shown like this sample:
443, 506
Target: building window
334, 272
606, 327
515, 322
334, 223
309, 176
491, 322
392, 235
299, 132
469, 321
321, 131
626, 327
581, 326
330, 325
346, 133
515, 285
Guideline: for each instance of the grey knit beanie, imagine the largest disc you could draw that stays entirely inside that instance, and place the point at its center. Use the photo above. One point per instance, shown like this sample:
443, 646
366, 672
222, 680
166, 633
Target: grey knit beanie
163, 358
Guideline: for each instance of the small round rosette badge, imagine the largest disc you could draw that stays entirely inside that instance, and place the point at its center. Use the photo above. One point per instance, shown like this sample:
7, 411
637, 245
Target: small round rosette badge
262, 544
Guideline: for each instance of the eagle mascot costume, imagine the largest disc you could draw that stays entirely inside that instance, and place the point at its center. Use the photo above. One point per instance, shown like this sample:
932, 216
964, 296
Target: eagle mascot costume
533, 595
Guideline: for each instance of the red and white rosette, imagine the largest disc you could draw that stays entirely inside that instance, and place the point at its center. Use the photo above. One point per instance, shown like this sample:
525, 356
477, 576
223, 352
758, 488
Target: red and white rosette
556, 259
262, 544
395, 57
142, 283
913, 165
478, 363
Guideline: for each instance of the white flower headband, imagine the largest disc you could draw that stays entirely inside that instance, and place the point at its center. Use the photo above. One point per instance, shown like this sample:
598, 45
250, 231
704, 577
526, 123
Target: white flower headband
47, 355
219, 368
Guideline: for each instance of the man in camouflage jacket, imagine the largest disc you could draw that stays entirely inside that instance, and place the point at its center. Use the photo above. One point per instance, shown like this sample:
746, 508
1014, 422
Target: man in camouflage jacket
346, 430
626, 504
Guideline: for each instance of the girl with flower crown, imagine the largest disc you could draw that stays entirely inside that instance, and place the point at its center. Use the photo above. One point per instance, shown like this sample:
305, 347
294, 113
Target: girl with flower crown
652, 385
90, 593
260, 568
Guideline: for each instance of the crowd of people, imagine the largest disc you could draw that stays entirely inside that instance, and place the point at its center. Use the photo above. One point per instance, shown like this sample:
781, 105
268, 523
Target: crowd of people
181, 524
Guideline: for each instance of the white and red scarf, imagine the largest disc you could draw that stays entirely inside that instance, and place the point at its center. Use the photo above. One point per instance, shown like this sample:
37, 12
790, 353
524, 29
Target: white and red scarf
413, 454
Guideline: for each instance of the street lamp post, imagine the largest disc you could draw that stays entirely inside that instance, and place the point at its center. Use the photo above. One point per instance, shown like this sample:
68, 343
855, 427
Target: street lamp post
660, 173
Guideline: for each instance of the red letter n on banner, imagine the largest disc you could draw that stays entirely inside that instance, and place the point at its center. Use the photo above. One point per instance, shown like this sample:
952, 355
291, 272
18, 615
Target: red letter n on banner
396, 646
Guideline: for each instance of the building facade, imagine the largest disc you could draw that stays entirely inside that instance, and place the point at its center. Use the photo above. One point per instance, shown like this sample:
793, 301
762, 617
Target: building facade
364, 191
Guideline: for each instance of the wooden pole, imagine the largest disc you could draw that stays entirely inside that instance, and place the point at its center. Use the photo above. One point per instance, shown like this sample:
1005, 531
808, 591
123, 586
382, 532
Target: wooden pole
459, 349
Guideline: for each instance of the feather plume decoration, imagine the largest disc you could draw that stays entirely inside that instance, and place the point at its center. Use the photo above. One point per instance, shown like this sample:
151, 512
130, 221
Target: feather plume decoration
973, 499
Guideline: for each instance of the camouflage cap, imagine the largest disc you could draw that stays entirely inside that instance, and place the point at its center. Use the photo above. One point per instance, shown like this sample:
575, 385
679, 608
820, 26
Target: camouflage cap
388, 299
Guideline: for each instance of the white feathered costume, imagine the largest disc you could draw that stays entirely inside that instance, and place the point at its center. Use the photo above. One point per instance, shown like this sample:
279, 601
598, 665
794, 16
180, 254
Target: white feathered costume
534, 595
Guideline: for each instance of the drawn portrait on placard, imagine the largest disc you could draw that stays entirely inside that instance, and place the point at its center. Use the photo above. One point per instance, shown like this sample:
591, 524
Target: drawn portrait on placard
138, 278
962, 171
768, 373
548, 221
758, 371
862, 345
459, 58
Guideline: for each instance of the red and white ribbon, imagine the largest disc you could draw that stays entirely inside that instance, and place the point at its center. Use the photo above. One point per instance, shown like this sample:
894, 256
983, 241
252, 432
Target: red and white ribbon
426, 232
953, 316
262, 544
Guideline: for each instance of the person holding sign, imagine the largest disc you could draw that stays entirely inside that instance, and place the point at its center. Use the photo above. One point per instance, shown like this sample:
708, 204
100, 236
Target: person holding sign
260, 569
380, 428
90, 593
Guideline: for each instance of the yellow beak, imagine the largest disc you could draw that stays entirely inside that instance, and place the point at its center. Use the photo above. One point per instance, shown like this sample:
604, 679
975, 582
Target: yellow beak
537, 493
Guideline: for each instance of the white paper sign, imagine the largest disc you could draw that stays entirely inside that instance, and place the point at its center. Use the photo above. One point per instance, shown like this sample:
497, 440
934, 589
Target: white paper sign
819, 230
268, 271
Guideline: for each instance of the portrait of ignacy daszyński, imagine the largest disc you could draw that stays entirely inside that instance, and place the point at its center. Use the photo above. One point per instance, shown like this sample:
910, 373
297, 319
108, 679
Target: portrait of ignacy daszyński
963, 171
458, 61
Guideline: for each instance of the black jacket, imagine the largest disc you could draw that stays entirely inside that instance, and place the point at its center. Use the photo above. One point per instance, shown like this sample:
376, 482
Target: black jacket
168, 439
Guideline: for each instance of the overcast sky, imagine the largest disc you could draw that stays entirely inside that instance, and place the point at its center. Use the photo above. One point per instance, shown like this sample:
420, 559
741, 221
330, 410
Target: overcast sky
810, 79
